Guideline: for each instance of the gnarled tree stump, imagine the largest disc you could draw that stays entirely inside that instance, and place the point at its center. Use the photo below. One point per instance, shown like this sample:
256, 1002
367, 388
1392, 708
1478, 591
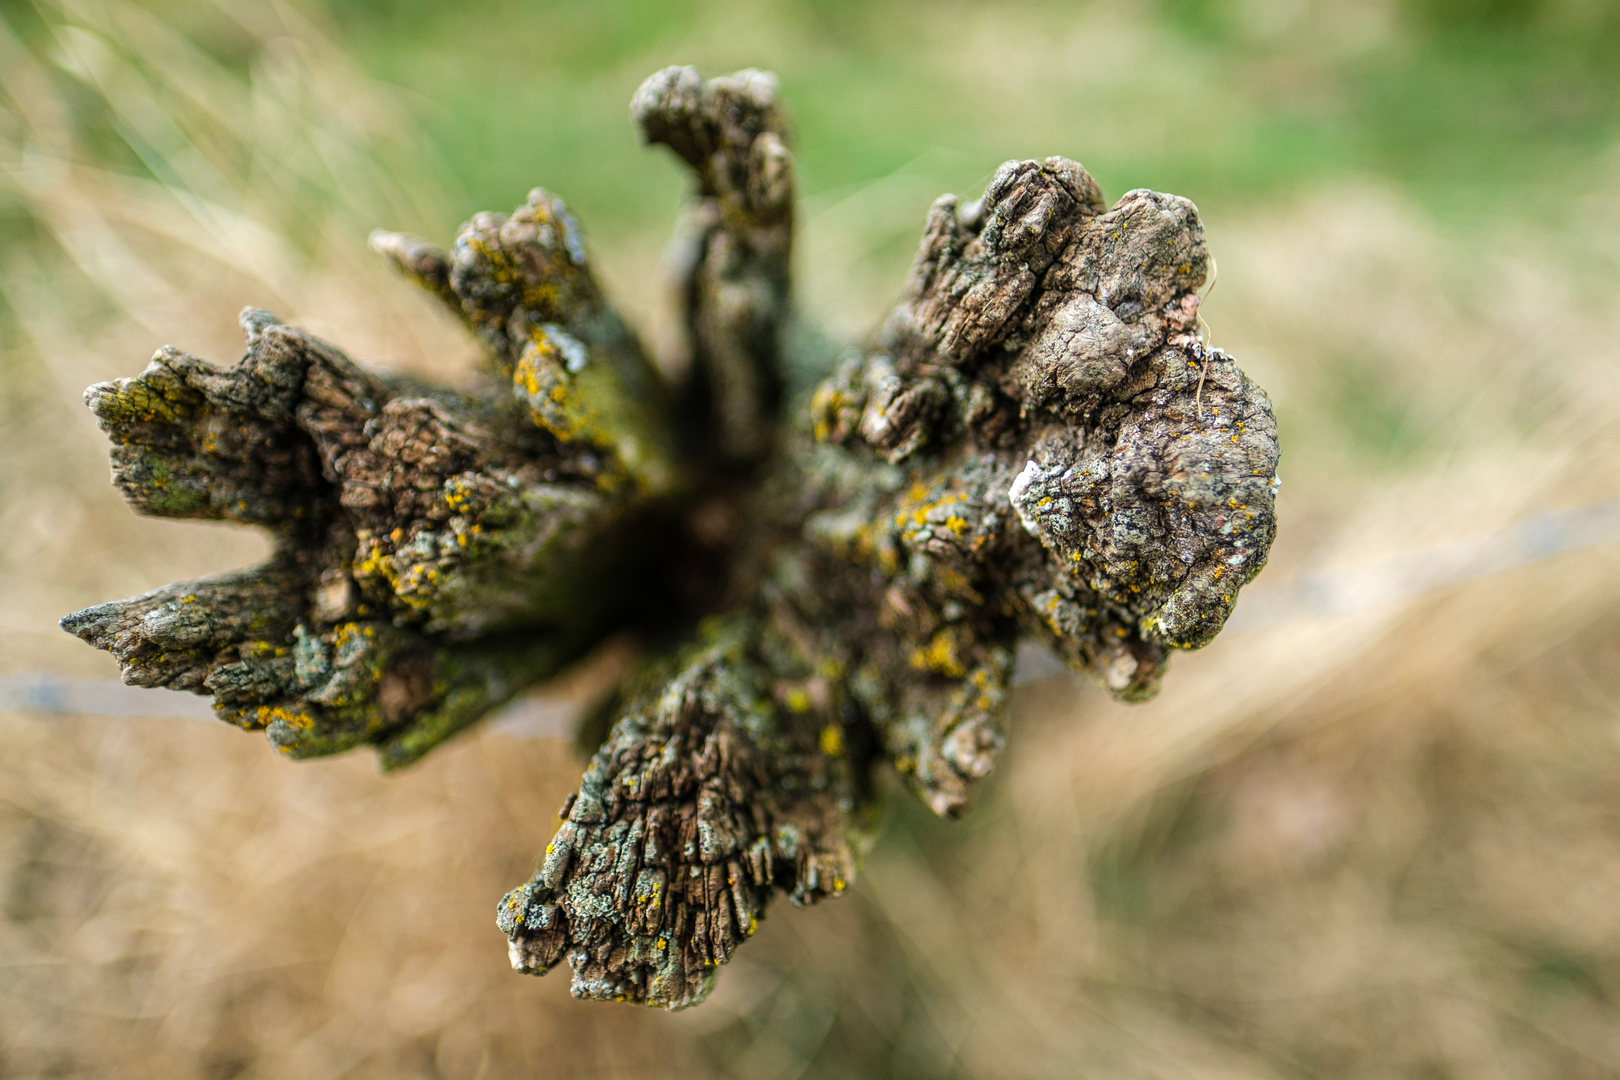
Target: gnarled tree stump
1035, 445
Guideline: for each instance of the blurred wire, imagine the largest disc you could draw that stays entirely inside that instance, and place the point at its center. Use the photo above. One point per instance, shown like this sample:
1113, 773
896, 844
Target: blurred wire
1412, 573
530, 717
1323, 595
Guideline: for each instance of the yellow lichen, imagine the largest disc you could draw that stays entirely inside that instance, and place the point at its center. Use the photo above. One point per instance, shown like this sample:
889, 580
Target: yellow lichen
832, 740
941, 654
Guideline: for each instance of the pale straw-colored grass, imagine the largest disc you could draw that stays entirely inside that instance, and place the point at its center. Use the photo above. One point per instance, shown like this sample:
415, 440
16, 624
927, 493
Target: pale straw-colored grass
1379, 842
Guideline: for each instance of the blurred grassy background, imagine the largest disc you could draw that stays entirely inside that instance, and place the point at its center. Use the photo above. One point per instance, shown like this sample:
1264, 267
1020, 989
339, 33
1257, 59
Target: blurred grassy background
1381, 842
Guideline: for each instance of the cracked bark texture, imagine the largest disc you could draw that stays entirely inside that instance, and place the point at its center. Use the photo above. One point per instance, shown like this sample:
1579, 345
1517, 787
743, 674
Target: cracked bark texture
1035, 445
707, 796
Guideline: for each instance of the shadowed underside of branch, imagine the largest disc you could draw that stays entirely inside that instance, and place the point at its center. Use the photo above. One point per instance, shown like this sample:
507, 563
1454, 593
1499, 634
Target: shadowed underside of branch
1035, 445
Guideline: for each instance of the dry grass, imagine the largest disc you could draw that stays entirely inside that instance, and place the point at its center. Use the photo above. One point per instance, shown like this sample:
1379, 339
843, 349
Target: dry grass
1380, 844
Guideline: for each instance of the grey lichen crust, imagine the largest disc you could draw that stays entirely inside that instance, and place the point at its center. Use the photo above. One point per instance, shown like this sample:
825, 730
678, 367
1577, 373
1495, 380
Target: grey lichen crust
1036, 445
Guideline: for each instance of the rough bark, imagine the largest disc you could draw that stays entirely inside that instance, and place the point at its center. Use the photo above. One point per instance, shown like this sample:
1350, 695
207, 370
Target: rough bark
738, 240
708, 796
435, 552
1036, 445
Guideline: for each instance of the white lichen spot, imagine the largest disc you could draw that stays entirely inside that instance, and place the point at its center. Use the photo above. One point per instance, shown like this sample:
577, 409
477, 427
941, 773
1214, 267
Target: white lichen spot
569, 347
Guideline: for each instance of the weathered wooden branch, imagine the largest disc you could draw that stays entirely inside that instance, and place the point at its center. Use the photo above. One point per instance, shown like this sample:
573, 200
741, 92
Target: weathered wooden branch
732, 134
1036, 445
434, 551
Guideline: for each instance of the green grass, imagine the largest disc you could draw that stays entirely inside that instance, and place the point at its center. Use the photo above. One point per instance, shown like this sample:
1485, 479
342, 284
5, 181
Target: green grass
1473, 115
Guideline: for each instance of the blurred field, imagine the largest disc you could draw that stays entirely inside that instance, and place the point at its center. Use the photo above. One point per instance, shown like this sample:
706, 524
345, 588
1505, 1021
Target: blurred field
1381, 840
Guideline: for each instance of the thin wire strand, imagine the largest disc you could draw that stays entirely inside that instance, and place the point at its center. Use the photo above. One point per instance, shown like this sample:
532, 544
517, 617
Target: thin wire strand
1394, 579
